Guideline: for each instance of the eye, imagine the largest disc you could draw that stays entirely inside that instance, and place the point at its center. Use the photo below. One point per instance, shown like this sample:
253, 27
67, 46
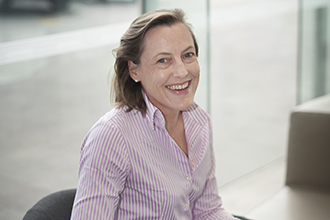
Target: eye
187, 55
163, 60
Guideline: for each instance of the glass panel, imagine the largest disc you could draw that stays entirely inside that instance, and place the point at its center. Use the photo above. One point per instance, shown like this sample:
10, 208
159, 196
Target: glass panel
253, 78
314, 50
197, 15
53, 88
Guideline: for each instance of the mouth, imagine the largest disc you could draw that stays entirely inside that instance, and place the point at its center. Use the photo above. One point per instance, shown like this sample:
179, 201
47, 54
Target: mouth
178, 87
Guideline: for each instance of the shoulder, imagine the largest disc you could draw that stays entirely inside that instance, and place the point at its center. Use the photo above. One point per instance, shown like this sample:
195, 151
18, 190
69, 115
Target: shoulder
105, 142
117, 118
115, 126
105, 132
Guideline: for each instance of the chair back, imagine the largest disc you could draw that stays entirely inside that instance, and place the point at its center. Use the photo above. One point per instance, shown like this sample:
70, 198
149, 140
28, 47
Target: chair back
56, 206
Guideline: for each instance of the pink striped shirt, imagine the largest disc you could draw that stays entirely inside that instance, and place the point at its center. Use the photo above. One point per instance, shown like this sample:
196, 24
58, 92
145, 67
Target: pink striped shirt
130, 168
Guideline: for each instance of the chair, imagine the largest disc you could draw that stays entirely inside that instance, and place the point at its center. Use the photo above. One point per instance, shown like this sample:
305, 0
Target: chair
309, 145
56, 206
306, 194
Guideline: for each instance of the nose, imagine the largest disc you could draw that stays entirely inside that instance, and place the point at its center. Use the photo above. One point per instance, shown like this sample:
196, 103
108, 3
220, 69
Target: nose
180, 69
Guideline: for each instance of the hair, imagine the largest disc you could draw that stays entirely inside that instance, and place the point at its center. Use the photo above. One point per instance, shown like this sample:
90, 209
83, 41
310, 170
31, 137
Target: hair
125, 91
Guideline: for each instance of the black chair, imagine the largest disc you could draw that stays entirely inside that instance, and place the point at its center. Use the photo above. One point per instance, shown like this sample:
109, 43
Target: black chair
57, 206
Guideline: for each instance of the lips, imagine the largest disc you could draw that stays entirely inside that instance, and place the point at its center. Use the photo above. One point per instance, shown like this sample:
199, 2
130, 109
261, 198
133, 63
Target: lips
178, 87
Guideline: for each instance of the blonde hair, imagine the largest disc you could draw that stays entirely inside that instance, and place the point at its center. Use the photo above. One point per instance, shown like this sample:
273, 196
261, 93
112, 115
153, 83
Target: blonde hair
125, 91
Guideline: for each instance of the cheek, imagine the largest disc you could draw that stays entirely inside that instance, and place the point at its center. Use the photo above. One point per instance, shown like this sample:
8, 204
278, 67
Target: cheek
195, 69
158, 78
154, 80
161, 78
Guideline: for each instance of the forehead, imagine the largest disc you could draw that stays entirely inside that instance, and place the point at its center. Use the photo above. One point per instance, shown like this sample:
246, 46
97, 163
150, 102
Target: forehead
167, 37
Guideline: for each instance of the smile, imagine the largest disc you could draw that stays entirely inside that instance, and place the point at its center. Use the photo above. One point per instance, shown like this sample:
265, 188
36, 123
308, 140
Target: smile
178, 87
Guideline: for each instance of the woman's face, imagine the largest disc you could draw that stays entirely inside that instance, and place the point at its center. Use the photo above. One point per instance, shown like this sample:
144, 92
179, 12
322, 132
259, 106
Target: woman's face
168, 68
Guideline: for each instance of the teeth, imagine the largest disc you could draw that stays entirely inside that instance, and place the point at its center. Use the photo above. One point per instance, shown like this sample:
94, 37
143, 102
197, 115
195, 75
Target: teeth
178, 87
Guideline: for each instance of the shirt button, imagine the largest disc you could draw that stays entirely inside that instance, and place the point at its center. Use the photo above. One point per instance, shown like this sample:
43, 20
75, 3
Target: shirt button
188, 178
186, 205
193, 164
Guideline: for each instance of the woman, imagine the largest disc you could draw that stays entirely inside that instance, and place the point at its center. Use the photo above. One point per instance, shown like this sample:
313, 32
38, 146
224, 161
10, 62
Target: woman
151, 157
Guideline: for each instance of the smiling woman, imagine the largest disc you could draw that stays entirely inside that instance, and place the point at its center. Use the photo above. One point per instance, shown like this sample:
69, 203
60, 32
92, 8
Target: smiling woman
168, 69
169, 74
151, 157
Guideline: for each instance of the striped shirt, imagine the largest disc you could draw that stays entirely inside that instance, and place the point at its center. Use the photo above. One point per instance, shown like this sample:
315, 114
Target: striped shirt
130, 168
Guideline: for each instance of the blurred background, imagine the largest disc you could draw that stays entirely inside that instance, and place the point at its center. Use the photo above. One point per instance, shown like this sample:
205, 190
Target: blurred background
259, 59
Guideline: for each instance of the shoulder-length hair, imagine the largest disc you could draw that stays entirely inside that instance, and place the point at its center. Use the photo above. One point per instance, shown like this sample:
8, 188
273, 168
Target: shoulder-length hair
125, 91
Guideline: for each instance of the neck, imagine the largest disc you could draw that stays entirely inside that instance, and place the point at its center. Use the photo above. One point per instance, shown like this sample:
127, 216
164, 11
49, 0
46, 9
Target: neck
175, 127
172, 119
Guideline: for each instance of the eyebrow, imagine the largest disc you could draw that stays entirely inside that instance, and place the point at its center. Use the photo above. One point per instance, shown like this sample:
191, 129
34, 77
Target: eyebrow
161, 53
188, 48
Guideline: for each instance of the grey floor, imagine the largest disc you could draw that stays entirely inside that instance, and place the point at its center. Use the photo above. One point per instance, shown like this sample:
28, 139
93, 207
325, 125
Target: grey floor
49, 103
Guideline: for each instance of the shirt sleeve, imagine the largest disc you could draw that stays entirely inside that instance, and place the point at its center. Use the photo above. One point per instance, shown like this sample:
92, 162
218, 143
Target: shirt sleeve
209, 205
103, 170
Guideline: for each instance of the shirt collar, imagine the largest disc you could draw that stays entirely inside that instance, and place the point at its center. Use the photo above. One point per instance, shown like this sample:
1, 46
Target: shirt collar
156, 118
196, 113
153, 114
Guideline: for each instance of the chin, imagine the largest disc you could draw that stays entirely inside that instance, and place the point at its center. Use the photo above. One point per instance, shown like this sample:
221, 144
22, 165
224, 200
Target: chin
186, 105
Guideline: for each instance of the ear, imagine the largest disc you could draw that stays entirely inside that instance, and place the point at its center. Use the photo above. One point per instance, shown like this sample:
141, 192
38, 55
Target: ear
132, 67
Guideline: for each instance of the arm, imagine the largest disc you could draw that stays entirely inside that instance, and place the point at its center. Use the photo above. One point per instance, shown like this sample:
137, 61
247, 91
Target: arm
209, 205
103, 169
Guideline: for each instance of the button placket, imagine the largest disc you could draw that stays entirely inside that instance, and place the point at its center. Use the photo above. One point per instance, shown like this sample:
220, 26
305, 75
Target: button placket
193, 165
